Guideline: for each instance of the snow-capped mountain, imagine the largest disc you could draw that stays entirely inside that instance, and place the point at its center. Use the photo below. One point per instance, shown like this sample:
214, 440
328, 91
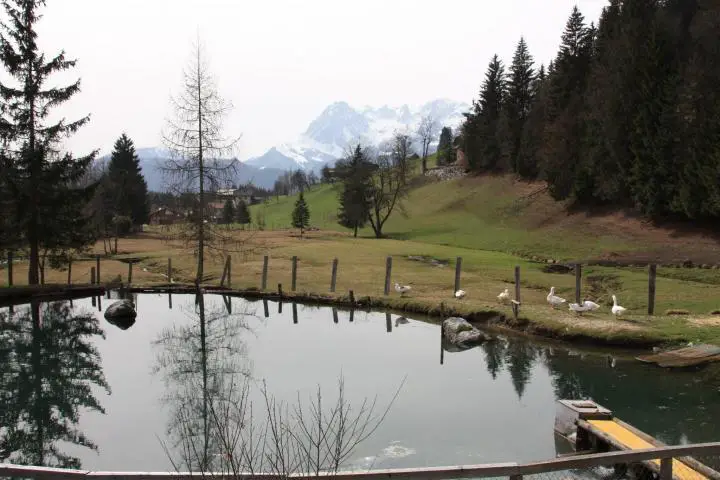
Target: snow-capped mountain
339, 126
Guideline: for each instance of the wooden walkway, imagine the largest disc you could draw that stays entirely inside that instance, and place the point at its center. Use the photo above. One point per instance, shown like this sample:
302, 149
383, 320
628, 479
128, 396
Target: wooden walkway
684, 357
630, 440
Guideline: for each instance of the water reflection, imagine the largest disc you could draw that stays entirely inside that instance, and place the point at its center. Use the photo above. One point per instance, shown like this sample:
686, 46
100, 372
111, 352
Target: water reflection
491, 403
49, 363
199, 362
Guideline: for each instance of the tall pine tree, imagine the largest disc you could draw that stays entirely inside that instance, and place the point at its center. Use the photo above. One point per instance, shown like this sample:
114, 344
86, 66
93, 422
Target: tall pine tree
445, 150
354, 173
564, 127
480, 141
517, 104
47, 199
301, 214
129, 187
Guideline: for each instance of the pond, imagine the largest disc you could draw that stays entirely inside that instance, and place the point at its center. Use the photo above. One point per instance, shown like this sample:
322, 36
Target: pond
143, 395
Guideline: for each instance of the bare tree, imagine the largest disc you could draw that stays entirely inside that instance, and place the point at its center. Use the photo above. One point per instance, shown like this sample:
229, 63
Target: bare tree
388, 184
427, 130
199, 153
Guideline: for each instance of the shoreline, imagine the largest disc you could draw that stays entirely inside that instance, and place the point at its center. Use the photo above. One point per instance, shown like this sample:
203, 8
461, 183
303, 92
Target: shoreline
635, 340
491, 318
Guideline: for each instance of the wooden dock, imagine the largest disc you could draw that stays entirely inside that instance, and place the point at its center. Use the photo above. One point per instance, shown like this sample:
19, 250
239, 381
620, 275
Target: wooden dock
684, 357
591, 427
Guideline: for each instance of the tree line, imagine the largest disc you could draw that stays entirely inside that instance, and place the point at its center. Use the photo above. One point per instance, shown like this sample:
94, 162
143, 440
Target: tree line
53, 203
627, 114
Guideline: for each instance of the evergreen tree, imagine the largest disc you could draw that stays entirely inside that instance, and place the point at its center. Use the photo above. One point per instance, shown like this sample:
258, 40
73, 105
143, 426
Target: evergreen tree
354, 198
242, 214
129, 188
44, 183
301, 214
564, 126
445, 150
480, 141
517, 104
228, 212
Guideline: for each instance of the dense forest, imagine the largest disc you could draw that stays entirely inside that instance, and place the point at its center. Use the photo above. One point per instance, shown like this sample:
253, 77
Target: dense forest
627, 114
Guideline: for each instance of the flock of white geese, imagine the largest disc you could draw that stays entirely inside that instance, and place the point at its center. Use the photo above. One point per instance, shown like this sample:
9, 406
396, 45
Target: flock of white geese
552, 299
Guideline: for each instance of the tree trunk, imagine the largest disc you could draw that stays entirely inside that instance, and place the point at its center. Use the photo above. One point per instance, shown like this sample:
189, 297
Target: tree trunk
201, 226
424, 165
356, 229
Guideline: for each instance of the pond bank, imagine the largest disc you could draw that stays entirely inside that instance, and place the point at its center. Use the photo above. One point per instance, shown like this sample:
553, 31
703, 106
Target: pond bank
635, 339
542, 325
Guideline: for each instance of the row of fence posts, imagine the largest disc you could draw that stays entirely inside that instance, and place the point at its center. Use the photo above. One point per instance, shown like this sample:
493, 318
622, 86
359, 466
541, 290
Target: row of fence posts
226, 279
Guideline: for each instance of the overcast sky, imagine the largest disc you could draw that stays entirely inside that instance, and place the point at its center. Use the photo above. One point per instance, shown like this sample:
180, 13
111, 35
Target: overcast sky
281, 62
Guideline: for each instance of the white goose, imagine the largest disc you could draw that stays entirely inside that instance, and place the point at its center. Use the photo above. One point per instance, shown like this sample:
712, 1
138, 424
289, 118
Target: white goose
460, 294
616, 309
402, 289
578, 308
504, 296
590, 305
553, 299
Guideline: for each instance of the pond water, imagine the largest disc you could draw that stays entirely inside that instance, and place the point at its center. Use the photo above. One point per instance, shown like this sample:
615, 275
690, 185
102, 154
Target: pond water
69, 378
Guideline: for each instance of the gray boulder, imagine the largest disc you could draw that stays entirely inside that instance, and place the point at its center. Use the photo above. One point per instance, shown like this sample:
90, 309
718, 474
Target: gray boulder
121, 314
460, 333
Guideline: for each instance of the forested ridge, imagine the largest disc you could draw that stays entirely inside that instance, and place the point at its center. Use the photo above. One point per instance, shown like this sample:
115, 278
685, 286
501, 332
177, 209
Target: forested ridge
627, 114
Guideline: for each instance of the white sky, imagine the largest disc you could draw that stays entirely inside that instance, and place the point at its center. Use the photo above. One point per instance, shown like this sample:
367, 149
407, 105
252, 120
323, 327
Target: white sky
281, 62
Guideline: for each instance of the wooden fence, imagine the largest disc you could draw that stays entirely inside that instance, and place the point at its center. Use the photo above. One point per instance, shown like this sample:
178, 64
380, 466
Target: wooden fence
226, 278
512, 470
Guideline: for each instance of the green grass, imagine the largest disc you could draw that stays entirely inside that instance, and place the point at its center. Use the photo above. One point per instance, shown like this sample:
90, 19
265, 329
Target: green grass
483, 215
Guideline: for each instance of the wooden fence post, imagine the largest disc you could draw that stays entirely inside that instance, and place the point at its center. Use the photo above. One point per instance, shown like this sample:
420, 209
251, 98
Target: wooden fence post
516, 307
652, 273
280, 291
666, 469
578, 282
264, 273
229, 271
92, 275
458, 269
333, 278
10, 269
294, 273
130, 264
169, 273
97, 265
388, 272
69, 271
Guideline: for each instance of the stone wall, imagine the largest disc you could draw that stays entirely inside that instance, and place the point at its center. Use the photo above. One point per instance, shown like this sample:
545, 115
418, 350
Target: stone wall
446, 173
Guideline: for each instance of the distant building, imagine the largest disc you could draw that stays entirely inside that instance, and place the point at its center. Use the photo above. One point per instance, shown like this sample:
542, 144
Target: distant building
165, 216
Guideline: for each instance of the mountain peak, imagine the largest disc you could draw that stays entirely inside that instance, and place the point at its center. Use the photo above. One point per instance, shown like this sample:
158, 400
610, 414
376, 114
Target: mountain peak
340, 125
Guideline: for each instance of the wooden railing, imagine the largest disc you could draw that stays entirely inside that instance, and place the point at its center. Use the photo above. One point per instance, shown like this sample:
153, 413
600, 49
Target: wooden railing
513, 470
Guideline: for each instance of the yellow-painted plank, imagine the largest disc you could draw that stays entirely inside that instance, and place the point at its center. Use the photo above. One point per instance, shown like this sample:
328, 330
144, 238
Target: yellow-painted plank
630, 440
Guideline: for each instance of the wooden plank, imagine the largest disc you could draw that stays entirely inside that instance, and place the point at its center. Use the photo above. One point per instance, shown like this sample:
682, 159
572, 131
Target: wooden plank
436, 473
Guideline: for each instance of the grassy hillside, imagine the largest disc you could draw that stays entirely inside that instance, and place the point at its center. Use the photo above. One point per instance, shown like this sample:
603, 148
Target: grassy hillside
498, 213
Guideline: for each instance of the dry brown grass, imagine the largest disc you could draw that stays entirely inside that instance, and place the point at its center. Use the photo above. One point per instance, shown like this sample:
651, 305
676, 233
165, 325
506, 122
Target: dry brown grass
362, 269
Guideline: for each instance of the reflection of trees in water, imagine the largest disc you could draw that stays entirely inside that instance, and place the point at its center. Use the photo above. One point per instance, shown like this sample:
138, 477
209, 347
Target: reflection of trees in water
520, 357
674, 406
200, 362
214, 425
48, 365
494, 356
